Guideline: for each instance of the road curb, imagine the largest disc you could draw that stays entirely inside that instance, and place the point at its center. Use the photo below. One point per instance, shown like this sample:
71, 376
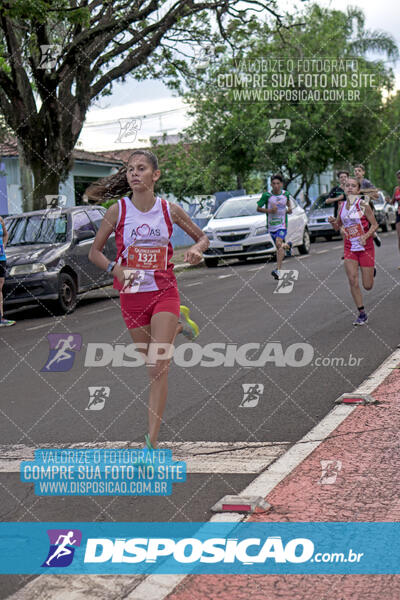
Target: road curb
158, 587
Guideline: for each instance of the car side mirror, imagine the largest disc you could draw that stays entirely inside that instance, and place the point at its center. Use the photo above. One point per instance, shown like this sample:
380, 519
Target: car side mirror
79, 236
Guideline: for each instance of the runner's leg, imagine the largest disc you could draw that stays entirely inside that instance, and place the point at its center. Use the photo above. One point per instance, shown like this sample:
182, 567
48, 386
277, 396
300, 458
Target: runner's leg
351, 267
280, 252
367, 276
163, 331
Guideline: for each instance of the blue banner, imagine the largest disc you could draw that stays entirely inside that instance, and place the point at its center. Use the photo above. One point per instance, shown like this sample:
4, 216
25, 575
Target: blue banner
224, 548
111, 472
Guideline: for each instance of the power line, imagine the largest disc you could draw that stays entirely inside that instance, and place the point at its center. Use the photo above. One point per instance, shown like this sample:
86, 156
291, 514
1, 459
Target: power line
148, 117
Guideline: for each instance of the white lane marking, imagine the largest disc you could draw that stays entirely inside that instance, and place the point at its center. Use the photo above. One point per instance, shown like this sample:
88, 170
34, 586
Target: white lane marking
321, 251
337, 247
38, 326
225, 276
304, 256
265, 482
77, 587
195, 283
200, 457
256, 268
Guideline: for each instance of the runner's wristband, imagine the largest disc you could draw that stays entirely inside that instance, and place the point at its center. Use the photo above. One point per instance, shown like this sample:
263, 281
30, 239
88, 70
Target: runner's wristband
111, 265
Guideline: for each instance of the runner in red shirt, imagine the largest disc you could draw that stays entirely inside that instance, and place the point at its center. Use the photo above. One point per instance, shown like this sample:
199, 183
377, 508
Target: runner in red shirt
396, 198
357, 223
143, 272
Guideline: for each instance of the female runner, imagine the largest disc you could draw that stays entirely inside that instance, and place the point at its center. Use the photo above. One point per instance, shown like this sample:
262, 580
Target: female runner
357, 223
143, 273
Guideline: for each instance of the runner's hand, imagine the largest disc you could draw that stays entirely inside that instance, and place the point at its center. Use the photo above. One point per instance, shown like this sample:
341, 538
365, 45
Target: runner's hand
193, 256
118, 272
363, 239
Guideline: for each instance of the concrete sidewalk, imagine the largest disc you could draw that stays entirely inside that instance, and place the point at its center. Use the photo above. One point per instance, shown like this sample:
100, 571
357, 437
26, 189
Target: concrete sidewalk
363, 484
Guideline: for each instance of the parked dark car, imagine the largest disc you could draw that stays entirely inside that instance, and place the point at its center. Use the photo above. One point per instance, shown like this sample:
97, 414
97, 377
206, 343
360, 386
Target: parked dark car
47, 256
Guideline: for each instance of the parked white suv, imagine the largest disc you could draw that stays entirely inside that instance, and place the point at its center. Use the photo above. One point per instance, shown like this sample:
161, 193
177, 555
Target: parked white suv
237, 230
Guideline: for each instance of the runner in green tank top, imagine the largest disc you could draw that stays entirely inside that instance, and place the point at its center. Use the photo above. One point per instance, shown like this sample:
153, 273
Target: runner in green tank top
277, 210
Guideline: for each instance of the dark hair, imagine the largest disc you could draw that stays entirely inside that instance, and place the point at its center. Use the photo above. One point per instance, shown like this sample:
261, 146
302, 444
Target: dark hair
342, 171
116, 185
359, 166
277, 176
152, 158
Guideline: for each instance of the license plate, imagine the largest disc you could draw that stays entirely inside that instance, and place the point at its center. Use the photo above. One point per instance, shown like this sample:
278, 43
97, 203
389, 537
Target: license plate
233, 248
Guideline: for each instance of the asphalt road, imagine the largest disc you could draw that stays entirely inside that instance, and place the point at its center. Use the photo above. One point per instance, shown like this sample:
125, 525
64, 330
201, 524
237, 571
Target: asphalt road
234, 305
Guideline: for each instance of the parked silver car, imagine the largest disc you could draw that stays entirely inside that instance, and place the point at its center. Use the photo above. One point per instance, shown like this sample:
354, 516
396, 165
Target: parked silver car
385, 213
237, 230
318, 219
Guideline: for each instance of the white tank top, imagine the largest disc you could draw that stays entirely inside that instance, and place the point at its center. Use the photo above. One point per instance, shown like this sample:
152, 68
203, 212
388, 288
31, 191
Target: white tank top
355, 223
143, 244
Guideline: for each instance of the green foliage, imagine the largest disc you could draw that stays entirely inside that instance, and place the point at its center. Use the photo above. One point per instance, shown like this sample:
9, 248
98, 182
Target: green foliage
185, 171
232, 131
384, 160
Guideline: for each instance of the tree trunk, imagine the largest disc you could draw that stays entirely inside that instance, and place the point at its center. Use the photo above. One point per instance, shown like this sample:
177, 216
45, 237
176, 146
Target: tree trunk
239, 182
46, 185
26, 180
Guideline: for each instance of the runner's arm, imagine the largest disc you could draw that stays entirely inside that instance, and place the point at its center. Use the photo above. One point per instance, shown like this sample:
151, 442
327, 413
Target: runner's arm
372, 192
263, 201
336, 223
194, 254
288, 207
5, 232
369, 213
106, 228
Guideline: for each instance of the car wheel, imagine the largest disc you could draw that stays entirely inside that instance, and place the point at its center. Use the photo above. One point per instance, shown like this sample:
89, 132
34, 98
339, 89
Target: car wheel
328, 237
393, 226
67, 293
305, 246
312, 238
384, 226
211, 262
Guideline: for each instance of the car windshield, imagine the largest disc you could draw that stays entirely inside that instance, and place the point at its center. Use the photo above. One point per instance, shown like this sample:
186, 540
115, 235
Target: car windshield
240, 207
320, 203
38, 229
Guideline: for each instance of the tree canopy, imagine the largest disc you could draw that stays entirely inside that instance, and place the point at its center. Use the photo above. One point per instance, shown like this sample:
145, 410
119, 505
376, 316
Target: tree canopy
57, 57
233, 98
